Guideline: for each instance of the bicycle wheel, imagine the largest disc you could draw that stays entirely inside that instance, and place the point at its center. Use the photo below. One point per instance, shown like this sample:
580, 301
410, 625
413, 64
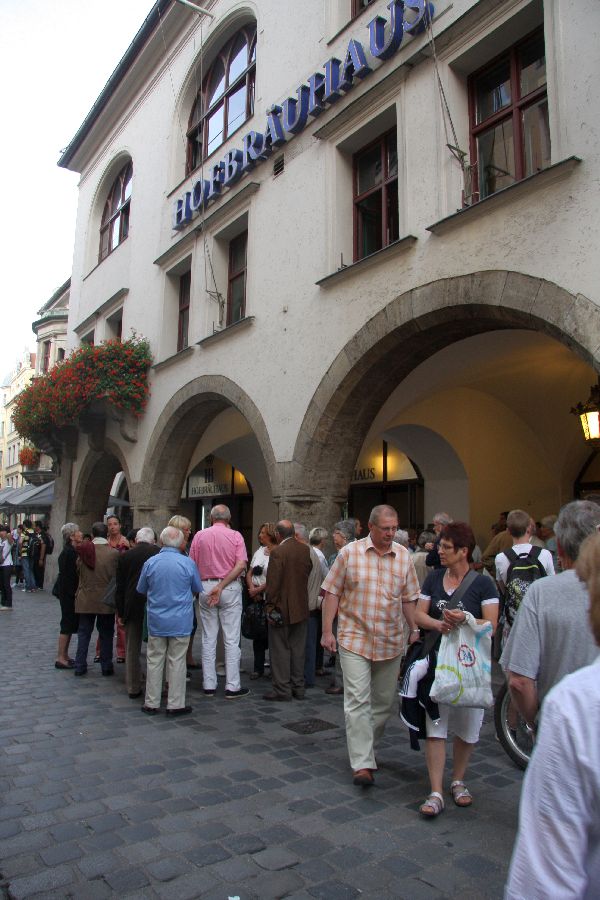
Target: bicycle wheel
512, 733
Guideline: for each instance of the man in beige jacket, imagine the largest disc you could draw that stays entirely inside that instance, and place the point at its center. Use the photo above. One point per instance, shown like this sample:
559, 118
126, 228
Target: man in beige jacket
97, 565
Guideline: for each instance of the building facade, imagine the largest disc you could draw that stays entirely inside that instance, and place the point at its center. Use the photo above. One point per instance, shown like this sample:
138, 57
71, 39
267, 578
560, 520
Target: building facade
11, 442
359, 237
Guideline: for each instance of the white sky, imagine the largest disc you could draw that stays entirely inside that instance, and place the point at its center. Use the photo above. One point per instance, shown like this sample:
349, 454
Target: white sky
55, 58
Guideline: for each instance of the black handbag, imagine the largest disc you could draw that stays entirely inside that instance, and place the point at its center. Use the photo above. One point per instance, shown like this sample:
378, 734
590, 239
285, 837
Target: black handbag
254, 621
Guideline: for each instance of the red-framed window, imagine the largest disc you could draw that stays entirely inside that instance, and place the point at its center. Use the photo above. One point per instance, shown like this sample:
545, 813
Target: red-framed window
115, 218
376, 221
226, 98
236, 292
183, 322
359, 5
508, 109
46, 356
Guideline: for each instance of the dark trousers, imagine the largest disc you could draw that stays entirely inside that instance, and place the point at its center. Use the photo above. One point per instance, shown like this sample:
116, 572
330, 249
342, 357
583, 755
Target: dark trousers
260, 647
287, 646
106, 629
313, 636
133, 641
5, 586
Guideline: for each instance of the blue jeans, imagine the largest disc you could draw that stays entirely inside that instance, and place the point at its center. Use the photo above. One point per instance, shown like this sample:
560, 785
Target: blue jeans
28, 573
106, 629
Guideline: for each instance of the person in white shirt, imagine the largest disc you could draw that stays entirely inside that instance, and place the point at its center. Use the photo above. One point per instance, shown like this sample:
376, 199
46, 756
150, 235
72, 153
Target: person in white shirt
6, 542
557, 850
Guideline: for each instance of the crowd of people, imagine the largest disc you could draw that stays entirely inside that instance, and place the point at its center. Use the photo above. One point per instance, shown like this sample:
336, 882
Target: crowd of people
375, 603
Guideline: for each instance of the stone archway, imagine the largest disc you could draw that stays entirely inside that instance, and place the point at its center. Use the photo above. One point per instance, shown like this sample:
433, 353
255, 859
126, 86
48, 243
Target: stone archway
91, 494
177, 433
406, 332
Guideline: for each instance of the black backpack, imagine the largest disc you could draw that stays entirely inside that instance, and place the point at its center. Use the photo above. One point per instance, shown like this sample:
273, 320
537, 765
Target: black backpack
49, 541
524, 569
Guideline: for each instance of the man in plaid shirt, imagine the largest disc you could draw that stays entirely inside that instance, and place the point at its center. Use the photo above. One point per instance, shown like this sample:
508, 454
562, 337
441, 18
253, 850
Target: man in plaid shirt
372, 587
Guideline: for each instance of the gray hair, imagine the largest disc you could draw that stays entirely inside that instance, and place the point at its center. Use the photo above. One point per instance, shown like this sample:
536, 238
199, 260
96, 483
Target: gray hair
549, 522
145, 535
317, 535
171, 537
442, 518
575, 522
426, 537
68, 530
401, 537
301, 532
346, 527
220, 513
382, 510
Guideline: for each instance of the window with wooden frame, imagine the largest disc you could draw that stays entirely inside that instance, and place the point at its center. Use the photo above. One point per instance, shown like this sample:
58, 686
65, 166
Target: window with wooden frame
359, 5
183, 322
236, 291
376, 220
226, 98
46, 356
508, 108
114, 227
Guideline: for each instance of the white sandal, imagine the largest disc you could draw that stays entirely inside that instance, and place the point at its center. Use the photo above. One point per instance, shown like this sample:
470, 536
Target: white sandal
460, 793
433, 806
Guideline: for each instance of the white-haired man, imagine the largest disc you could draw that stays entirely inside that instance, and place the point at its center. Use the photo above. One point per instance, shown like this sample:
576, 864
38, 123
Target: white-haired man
169, 580
373, 587
131, 604
221, 557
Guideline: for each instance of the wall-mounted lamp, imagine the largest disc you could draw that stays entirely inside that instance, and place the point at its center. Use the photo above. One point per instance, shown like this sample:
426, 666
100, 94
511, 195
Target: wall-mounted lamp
198, 9
589, 415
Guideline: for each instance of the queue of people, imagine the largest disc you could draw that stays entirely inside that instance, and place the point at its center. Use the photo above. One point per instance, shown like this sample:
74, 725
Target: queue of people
370, 610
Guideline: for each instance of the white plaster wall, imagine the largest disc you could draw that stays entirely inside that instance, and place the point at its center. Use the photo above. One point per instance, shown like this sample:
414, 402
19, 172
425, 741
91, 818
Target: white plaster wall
295, 235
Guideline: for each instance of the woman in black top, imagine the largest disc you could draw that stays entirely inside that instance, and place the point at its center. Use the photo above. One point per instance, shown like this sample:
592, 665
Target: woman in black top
481, 600
66, 588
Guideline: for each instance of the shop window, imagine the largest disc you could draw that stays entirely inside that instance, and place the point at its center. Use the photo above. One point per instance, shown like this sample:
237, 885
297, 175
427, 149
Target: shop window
46, 356
114, 227
236, 292
359, 5
376, 221
226, 98
183, 322
510, 134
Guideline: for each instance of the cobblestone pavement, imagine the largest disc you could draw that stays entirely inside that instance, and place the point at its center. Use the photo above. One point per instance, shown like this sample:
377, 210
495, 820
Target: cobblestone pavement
99, 800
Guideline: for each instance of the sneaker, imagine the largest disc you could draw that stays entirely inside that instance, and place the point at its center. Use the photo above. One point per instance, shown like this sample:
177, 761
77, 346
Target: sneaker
209, 692
221, 671
233, 695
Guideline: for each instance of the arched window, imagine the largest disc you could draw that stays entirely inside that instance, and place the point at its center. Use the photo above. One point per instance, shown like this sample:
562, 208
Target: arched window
225, 100
115, 218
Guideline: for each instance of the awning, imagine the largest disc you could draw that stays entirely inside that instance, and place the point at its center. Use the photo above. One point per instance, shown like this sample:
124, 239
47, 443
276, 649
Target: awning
28, 498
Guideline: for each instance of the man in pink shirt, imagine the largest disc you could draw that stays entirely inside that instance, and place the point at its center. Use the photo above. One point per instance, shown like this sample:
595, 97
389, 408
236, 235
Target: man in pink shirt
220, 554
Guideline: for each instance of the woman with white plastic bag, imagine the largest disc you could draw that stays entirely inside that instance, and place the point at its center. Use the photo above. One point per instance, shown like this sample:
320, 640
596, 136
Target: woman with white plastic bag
477, 612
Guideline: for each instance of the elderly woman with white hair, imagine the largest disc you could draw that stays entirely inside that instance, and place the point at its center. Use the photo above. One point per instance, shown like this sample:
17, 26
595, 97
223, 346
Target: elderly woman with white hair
65, 589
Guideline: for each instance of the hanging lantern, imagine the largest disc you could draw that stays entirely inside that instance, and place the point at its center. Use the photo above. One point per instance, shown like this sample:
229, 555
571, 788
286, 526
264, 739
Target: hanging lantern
589, 416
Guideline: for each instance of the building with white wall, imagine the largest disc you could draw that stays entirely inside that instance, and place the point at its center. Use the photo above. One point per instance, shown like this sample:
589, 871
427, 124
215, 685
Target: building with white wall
362, 251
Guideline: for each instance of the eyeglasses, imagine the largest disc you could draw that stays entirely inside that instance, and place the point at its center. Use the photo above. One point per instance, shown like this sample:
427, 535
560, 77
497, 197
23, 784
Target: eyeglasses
448, 548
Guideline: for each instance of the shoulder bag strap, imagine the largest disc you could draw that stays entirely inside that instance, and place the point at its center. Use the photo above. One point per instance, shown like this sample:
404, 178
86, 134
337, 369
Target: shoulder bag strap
432, 637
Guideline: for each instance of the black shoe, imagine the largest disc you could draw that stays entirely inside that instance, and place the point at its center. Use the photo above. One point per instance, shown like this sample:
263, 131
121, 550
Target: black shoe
298, 695
233, 695
209, 692
135, 695
96, 659
150, 710
80, 671
108, 672
182, 711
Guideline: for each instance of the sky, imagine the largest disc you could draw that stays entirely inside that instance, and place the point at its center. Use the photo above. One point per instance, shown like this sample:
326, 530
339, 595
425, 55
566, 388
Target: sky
55, 58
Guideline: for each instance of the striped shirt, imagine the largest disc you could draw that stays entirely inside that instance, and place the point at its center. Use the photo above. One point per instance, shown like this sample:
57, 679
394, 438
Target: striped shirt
371, 590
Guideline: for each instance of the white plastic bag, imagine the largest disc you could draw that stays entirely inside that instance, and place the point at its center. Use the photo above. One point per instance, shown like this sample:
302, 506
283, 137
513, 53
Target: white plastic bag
463, 675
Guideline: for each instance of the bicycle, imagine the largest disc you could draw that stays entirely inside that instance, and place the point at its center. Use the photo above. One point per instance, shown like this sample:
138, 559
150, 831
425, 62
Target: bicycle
515, 736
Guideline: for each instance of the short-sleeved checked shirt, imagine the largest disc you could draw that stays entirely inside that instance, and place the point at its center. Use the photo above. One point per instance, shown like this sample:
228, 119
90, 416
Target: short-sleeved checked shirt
371, 589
